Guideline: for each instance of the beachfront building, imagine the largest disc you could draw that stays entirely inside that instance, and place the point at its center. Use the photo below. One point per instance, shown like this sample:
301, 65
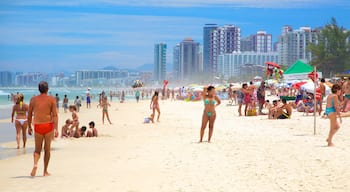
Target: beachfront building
31, 79
186, 60
231, 65
103, 77
293, 44
159, 74
6, 79
217, 41
259, 42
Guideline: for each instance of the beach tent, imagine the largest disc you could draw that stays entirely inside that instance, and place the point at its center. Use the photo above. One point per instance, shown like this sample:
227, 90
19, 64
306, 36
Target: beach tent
299, 70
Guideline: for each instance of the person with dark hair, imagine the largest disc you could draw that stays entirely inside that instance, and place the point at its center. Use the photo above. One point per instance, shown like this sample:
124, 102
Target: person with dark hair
57, 102
21, 124
154, 105
77, 103
240, 98
65, 103
93, 132
104, 105
285, 111
74, 129
332, 110
211, 101
43, 108
261, 97
323, 93
346, 90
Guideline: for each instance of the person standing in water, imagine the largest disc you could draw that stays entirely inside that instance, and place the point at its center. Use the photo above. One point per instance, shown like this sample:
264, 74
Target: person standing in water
154, 105
332, 111
43, 108
211, 101
21, 110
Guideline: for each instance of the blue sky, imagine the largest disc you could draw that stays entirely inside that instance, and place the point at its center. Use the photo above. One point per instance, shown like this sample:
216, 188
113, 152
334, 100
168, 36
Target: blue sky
68, 35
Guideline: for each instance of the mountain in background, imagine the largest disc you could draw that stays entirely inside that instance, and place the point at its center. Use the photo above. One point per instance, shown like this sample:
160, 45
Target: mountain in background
145, 67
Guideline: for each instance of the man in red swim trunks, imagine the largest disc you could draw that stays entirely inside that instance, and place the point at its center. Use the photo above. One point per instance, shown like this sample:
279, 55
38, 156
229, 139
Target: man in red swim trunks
43, 107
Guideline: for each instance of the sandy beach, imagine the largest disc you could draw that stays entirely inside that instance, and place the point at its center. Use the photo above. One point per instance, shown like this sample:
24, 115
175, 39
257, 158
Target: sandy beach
246, 154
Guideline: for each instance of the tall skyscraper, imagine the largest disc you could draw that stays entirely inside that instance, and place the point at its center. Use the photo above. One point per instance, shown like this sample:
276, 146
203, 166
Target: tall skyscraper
207, 50
293, 44
189, 64
176, 62
160, 62
219, 40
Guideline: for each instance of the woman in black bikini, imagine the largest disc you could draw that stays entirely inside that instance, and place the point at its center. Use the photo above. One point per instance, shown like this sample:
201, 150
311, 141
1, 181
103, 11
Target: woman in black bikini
21, 110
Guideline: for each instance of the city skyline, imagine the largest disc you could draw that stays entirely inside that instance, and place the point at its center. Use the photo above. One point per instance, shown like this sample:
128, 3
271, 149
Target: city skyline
64, 36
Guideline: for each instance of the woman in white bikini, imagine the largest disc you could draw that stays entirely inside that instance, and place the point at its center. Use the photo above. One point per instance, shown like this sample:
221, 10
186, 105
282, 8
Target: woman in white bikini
21, 110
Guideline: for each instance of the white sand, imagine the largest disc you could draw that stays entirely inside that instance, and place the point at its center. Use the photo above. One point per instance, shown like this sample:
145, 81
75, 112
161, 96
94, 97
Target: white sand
247, 154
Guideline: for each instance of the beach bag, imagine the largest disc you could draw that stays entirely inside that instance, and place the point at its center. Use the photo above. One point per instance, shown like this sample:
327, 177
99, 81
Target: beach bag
251, 111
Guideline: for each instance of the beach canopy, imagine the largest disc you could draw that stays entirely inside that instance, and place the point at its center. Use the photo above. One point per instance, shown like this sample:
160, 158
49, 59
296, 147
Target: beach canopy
299, 70
272, 64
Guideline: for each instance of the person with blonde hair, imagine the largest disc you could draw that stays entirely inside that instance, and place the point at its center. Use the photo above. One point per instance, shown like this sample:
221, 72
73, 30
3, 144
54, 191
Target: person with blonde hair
21, 124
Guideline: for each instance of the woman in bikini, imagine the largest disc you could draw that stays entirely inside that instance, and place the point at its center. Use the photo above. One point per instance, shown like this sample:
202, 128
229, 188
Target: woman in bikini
104, 105
74, 128
155, 105
332, 110
21, 124
211, 101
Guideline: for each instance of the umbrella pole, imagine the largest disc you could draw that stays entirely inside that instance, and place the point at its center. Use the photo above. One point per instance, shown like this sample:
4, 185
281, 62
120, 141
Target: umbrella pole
315, 101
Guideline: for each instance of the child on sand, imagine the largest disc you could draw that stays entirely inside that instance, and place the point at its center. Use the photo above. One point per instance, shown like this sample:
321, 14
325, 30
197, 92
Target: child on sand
93, 131
149, 119
75, 123
332, 110
65, 128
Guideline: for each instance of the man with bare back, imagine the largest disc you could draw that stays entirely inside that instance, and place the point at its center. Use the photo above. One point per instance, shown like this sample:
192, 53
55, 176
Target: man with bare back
43, 108
346, 90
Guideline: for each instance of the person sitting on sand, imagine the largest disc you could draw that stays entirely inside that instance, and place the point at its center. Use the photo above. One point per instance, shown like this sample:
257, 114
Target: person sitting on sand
332, 111
285, 111
80, 132
273, 110
93, 131
149, 119
211, 101
65, 128
21, 110
75, 122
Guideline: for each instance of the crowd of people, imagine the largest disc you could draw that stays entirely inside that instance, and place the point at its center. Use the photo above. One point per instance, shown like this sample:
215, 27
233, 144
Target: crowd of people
42, 111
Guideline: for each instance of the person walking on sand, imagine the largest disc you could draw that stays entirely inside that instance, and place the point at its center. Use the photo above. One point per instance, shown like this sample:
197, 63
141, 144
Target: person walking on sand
332, 110
65, 103
88, 99
43, 108
104, 105
57, 102
154, 105
21, 110
137, 95
211, 101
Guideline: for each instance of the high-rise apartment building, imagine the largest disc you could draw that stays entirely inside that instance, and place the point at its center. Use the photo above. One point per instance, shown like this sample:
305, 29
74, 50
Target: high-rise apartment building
293, 44
259, 42
207, 43
187, 60
176, 62
159, 73
216, 41
6, 78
